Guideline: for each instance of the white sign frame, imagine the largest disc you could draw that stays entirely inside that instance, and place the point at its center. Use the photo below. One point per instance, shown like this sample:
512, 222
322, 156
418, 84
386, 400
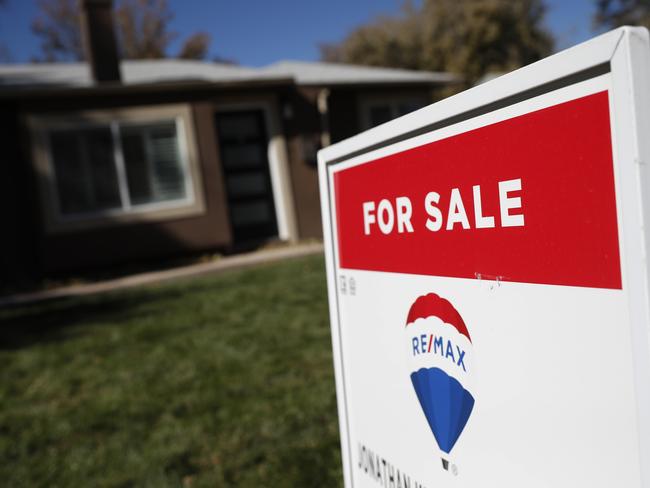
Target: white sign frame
625, 53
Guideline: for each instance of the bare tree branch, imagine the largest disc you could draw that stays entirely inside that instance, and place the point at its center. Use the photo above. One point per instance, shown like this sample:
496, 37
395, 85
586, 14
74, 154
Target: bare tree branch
615, 13
142, 28
57, 25
196, 46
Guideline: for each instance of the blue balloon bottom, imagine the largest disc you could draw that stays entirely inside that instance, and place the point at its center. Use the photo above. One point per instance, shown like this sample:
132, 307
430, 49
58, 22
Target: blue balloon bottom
446, 404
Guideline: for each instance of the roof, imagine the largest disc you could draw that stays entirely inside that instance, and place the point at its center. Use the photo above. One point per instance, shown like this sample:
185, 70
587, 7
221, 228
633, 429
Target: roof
146, 72
318, 73
133, 73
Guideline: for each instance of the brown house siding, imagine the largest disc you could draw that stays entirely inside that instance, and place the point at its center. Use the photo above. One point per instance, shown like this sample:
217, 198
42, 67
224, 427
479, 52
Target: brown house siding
301, 129
18, 205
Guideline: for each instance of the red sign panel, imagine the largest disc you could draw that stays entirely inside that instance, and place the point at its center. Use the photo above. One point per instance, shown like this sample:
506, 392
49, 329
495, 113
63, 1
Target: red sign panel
529, 199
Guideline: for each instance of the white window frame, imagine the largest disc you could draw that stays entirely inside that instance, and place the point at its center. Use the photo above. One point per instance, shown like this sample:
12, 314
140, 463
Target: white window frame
41, 126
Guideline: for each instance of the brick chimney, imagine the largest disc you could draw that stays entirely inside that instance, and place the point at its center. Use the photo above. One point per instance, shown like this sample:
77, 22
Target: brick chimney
100, 42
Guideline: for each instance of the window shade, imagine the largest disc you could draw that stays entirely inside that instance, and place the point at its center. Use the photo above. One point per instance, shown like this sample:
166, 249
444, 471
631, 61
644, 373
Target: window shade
153, 164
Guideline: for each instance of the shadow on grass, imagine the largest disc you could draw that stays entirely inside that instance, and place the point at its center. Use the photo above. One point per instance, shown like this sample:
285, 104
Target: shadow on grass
50, 321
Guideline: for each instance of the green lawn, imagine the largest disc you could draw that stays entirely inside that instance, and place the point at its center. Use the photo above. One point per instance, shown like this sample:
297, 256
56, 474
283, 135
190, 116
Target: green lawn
217, 381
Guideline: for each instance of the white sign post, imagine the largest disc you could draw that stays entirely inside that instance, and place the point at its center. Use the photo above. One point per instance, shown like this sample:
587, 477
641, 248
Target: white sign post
489, 281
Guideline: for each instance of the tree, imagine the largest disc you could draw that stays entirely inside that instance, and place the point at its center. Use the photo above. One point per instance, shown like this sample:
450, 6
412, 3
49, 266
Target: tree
614, 13
195, 47
142, 29
59, 30
470, 38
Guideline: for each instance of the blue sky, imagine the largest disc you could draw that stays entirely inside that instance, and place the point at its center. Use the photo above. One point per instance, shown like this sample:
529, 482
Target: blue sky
259, 32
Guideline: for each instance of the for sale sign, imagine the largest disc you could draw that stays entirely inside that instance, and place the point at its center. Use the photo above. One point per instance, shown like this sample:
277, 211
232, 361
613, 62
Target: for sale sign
488, 281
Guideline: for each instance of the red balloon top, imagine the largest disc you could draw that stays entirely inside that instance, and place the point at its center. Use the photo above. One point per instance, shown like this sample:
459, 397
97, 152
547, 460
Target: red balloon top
432, 305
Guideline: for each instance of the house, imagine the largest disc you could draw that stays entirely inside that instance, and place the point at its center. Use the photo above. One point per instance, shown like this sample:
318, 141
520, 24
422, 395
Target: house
112, 161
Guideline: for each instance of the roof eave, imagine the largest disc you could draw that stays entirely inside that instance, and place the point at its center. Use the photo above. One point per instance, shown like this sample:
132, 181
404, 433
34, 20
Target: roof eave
154, 87
391, 83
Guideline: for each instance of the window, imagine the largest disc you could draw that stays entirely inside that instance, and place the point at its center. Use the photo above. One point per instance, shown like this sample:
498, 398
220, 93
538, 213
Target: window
152, 160
114, 166
376, 112
85, 171
117, 167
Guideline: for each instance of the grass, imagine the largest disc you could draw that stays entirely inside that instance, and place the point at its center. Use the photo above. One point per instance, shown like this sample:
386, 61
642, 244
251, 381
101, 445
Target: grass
217, 381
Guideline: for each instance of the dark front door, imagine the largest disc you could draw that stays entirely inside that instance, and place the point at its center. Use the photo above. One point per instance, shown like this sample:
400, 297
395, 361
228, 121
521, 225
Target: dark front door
243, 142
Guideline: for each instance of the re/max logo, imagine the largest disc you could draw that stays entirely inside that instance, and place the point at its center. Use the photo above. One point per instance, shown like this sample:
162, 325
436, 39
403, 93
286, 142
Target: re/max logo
433, 344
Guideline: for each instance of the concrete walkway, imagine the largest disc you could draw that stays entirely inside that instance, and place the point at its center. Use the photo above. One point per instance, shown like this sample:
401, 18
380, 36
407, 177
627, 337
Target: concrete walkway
226, 263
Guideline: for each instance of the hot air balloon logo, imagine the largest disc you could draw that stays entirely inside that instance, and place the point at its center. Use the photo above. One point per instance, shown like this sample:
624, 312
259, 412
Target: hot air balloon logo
440, 360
